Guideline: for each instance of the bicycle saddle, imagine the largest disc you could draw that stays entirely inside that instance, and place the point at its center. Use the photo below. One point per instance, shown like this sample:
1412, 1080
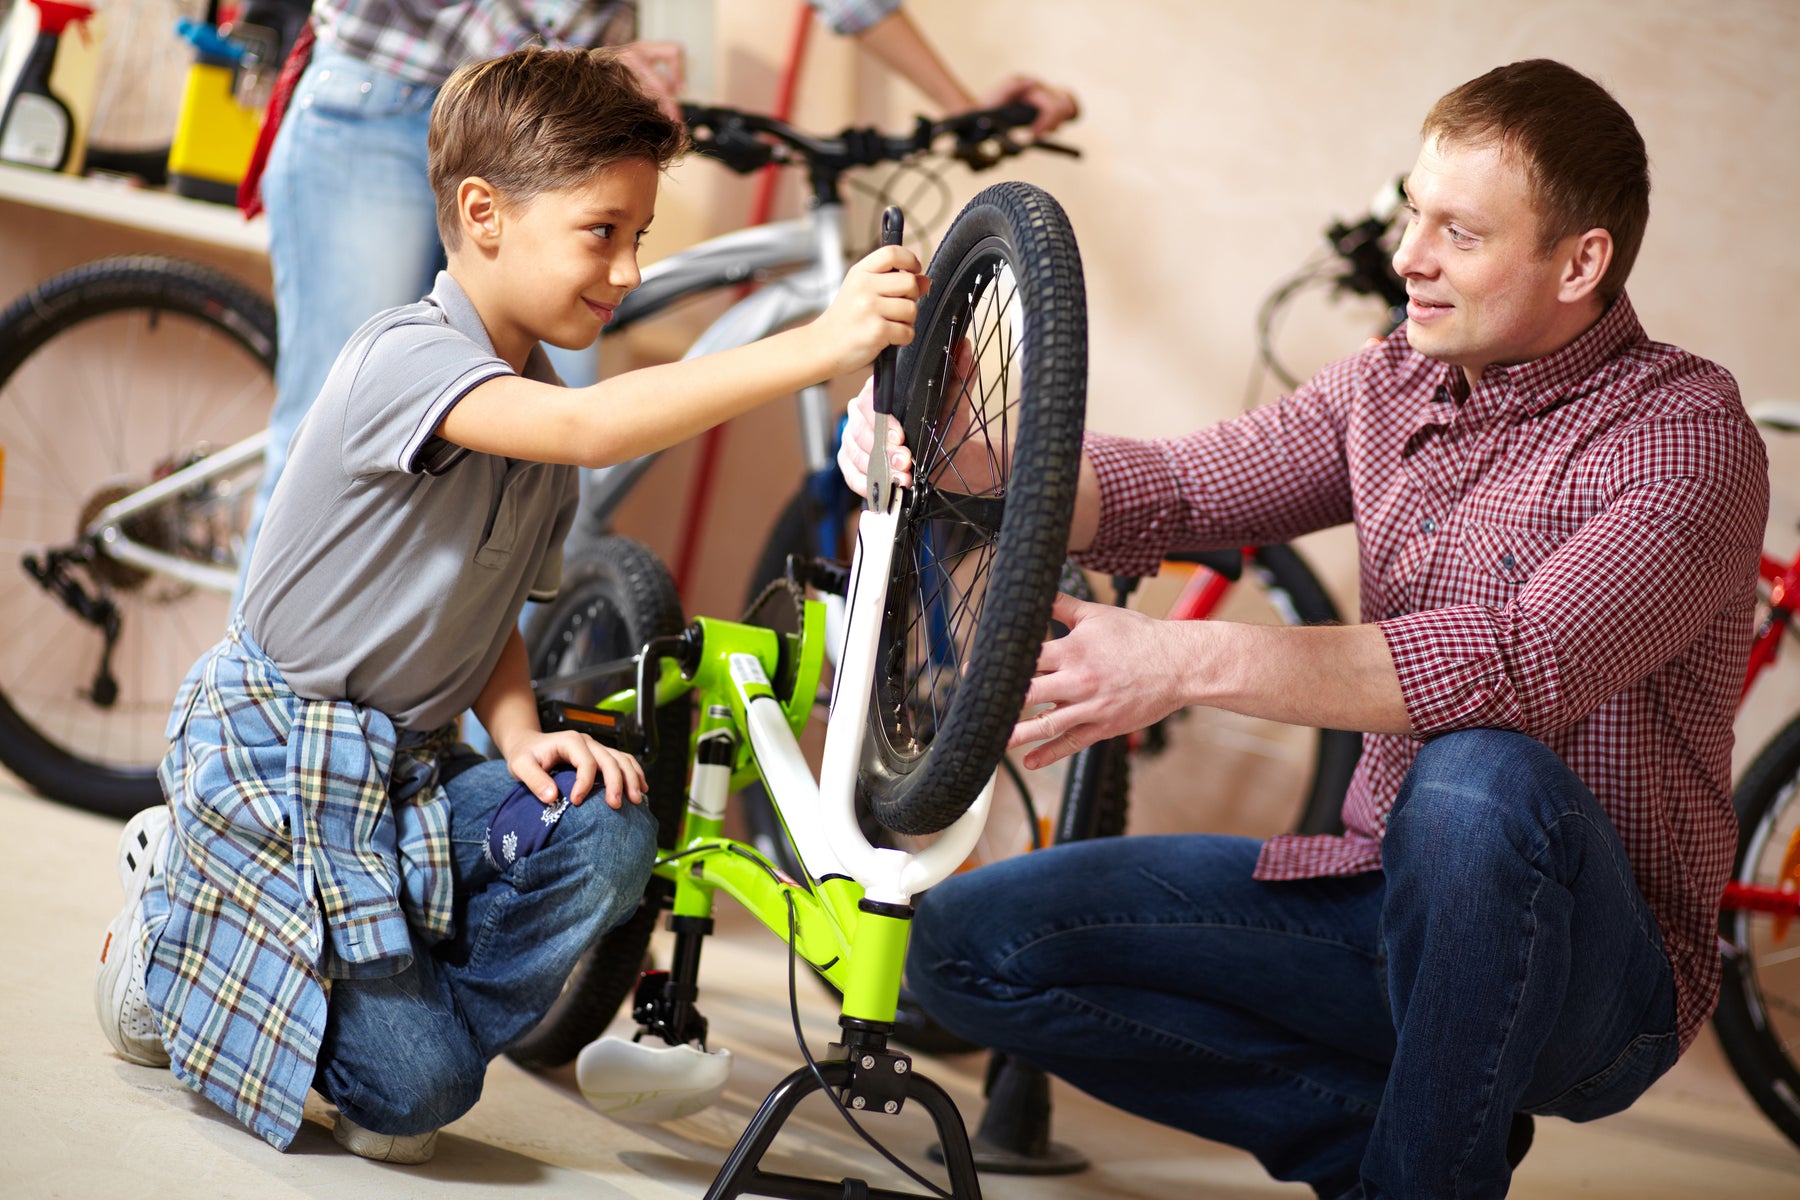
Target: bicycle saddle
1782, 415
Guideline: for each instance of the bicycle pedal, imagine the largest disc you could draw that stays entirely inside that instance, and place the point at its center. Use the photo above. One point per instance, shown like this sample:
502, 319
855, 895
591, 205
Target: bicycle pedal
646, 1085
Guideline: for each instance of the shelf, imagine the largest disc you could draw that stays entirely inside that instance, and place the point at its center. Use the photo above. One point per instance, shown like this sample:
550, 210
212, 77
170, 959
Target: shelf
135, 208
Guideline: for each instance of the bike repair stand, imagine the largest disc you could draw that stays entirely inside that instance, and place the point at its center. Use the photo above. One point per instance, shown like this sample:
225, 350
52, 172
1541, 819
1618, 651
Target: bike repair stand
866, 1077
1014, 1135
861, 1072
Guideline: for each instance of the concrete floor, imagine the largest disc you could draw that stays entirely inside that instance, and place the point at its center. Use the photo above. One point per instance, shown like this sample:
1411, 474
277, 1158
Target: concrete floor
81, 1123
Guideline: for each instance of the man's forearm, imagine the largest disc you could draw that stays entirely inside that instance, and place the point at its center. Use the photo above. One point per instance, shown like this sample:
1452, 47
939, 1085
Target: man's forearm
1086, 522
1328, 676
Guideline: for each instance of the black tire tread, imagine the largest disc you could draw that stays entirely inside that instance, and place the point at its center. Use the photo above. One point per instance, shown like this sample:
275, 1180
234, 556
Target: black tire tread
1040, 504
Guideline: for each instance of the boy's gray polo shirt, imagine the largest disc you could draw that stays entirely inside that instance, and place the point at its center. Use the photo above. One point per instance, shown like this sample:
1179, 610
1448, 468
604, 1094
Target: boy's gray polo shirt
392, 565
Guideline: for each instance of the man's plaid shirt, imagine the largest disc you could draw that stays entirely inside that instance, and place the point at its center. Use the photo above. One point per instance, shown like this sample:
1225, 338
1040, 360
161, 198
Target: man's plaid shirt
290, 866
1568, 550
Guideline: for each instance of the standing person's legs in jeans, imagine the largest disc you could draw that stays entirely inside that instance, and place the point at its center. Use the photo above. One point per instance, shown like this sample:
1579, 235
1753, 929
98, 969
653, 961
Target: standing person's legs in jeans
407, 1054
1370, 1035
352, 226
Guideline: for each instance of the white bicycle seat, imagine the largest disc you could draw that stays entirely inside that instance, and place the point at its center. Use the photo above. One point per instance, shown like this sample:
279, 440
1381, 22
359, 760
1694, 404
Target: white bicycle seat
1781, 415
630, 1081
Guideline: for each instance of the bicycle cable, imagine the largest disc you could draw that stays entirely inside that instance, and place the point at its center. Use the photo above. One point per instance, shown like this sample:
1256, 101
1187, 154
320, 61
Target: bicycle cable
930, 183
1313, 271
800, 1038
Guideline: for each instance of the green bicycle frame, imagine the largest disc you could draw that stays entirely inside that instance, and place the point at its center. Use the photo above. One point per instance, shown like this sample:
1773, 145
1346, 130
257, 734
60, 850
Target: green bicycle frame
748, 730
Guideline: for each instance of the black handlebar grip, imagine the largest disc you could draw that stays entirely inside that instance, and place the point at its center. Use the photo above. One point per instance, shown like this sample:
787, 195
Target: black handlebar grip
893, 225
1014, 115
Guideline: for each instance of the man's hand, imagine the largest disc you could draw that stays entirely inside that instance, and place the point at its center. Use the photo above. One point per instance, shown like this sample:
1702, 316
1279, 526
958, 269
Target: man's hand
1055, 105
534, 756
859, 440
661, 70
1112, 673
975, 475
874, 309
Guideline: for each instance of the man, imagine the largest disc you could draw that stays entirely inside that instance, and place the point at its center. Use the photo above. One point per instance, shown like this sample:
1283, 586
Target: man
1558, 524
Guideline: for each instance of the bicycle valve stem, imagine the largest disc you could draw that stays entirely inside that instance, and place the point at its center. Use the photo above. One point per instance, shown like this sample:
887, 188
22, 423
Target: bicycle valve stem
893, 225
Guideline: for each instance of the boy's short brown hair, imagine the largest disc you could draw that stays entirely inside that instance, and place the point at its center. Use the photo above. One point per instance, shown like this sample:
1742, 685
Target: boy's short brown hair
1582, 153
536, 120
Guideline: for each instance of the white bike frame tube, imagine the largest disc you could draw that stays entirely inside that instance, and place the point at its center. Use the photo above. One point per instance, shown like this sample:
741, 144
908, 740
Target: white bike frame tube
889, 876
108, 523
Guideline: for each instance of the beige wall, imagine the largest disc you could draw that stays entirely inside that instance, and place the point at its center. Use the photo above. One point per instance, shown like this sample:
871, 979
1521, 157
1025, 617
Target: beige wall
1219, 139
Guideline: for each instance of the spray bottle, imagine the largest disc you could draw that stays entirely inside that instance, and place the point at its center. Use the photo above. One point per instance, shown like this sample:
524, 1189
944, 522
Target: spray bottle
38, 130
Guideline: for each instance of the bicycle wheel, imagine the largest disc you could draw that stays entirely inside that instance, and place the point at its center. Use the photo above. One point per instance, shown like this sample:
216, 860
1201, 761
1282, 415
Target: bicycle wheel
986, 524
613, 599
1758, 1018
112, 376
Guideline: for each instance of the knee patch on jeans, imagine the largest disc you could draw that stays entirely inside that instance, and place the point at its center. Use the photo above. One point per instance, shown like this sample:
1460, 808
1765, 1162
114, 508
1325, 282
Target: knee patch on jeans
523, 823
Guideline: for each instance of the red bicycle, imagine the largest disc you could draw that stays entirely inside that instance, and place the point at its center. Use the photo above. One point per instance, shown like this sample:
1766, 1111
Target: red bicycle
1758, 1019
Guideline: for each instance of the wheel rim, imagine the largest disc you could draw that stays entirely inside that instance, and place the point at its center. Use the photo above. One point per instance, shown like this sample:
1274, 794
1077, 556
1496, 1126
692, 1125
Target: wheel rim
952, 520
150, 391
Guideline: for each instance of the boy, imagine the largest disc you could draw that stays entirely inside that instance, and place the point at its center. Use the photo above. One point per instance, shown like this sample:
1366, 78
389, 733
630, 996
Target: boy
321, 912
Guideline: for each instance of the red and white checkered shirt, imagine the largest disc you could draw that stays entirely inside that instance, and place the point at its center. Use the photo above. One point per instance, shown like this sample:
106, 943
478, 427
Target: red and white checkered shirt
1569, 550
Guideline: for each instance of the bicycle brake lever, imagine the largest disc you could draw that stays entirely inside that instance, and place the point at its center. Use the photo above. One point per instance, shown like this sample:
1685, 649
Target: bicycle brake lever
893, 225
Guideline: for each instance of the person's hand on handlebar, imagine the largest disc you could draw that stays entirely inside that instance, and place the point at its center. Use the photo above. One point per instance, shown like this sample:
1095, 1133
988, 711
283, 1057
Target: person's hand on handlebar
1055, 105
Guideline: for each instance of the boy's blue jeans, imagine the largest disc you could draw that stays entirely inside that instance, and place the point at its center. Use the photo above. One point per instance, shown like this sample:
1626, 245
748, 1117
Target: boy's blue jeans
407, 1054
1370, 1035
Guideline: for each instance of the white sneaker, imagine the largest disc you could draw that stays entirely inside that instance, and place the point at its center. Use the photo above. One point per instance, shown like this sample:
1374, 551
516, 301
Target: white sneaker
402, 1149
119, 999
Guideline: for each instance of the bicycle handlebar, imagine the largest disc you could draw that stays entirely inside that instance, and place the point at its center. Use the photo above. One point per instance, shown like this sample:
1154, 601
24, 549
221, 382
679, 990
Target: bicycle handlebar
747, 141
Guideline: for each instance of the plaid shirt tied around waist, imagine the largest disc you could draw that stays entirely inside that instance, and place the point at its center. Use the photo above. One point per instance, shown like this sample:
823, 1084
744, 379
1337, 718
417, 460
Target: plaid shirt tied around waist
1568, 549
312, 843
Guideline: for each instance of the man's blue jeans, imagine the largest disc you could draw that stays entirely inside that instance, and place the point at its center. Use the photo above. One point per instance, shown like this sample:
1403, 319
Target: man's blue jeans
1370, 1035
407, 1054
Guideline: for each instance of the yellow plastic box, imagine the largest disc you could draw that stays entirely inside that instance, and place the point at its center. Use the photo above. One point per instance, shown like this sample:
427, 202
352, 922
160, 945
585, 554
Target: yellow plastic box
213, 138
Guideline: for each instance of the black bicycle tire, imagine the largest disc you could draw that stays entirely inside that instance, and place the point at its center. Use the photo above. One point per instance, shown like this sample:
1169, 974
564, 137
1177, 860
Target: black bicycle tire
1751, 1046
633, 583
1280, 568
923, 793
96, 289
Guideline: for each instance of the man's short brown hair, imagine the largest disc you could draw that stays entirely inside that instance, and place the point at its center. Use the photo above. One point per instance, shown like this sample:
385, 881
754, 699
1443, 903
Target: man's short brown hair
536, 120
1582, 154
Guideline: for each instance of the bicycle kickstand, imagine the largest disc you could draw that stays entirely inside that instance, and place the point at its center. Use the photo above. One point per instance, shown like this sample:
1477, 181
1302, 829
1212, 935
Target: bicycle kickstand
867, 1077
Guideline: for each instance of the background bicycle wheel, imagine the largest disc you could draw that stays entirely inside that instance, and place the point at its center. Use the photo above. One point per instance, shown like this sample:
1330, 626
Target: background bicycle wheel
111, 377
1220, 772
